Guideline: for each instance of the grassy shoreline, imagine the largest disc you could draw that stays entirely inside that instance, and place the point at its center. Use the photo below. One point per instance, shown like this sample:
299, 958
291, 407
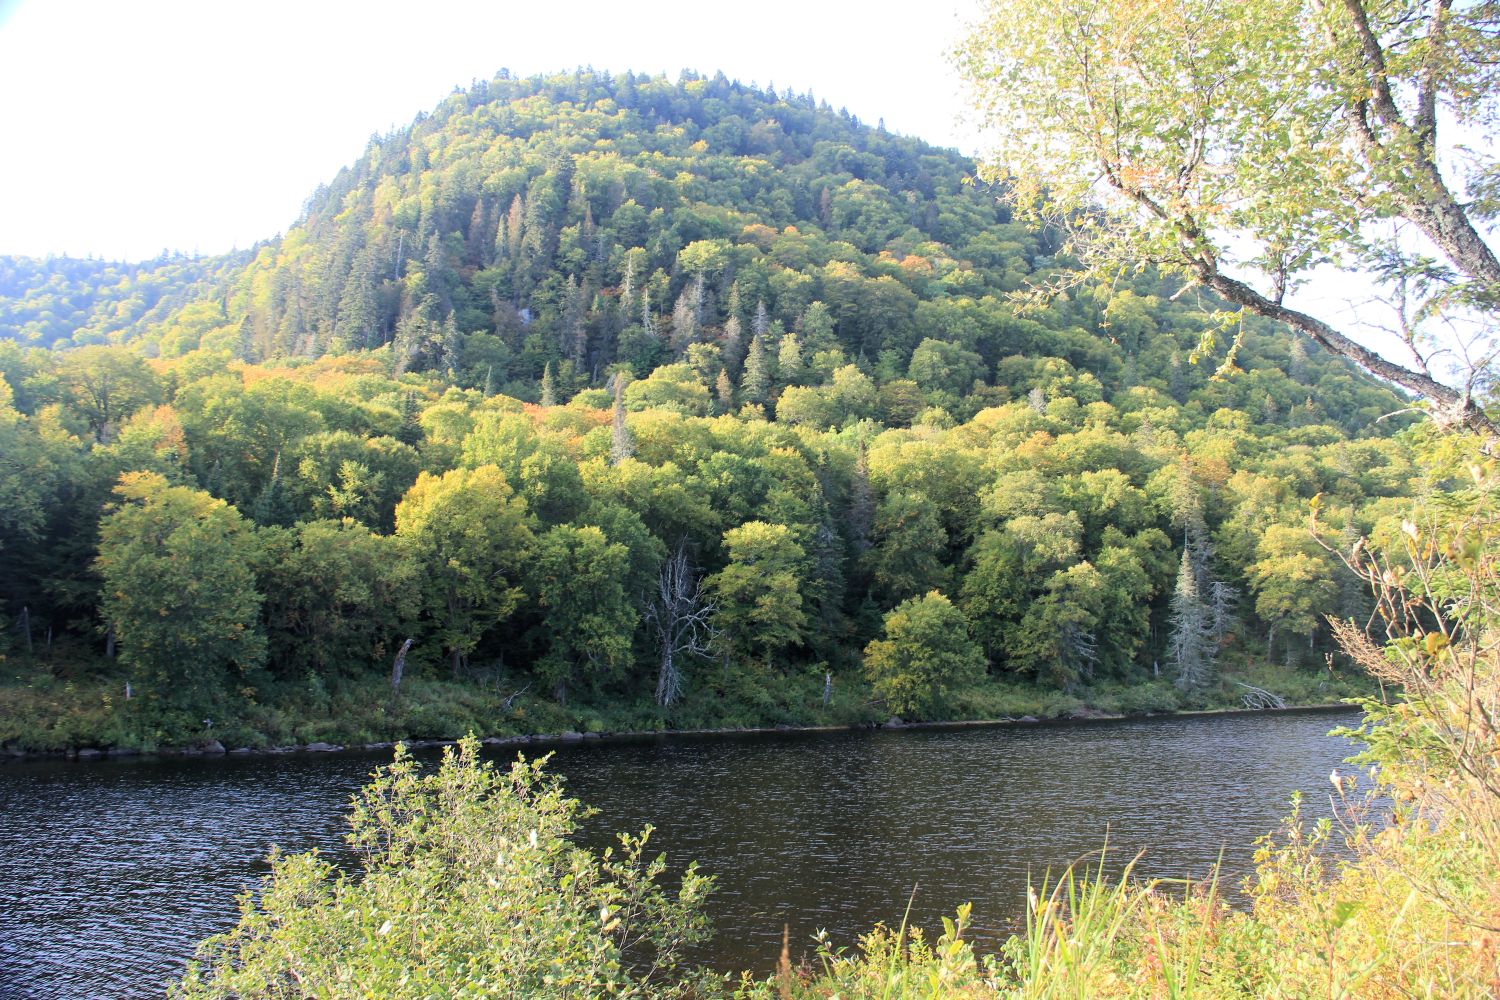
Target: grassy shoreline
89, 719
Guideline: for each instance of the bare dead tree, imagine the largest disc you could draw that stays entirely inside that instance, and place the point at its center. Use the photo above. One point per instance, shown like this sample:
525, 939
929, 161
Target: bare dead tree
510, 699
1259, 699
399, 666
682, 618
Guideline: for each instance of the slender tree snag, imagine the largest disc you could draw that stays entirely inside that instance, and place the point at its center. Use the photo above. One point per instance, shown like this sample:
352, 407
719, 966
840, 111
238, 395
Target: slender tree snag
682, 619
399, 666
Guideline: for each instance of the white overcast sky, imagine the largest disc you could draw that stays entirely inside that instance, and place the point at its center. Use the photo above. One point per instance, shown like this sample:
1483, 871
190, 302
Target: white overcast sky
133, 126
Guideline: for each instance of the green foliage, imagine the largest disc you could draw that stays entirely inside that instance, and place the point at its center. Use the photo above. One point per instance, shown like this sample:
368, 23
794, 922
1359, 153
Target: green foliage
579, 577
339, 597
1294, 133
178, 590
471, 538
925, 652
760, 605
468, 882
824, 397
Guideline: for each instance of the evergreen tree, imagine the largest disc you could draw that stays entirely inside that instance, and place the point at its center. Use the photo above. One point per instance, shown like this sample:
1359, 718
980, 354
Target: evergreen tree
761, 325
755, 381
477, 244
410, 431
724, 392
861, 518
1191, 652
686, 316
549, 387
575, 327
789, 365
515, 226
452, 348
732, 345
273, 506
245, 343
733, 306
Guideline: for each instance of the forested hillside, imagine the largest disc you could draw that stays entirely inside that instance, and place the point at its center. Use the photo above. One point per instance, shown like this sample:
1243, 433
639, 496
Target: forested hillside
67, 302
633, 402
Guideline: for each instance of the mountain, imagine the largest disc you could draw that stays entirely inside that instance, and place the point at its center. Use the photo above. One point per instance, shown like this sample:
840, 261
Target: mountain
574, 351
587, 222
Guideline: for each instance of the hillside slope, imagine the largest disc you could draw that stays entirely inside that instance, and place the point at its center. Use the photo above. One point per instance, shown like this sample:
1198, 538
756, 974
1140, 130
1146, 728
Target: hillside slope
571, 340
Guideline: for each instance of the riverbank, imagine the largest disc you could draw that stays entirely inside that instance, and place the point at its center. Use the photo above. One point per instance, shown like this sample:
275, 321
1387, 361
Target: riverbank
214, 747
82, 709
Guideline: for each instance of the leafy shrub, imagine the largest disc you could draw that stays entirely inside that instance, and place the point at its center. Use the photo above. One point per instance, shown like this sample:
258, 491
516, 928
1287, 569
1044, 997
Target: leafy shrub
469, 886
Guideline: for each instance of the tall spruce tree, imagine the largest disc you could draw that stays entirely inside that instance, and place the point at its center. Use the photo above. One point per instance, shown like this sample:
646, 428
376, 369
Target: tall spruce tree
1191, 650
549, 386
755, 381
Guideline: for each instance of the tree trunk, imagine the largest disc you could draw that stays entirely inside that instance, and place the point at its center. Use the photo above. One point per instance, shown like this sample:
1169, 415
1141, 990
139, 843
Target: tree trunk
399, 666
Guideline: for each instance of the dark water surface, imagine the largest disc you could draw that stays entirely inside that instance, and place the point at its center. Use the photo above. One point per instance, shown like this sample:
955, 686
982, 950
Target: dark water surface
110, 871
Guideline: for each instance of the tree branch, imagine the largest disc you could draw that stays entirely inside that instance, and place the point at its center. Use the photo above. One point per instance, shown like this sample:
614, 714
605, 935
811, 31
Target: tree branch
1458, 407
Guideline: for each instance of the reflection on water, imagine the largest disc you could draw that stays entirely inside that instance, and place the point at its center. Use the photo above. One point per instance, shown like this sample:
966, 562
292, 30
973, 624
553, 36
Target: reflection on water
110, 871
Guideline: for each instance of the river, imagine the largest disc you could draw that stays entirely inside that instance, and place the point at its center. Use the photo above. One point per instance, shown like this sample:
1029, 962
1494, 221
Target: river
111, 870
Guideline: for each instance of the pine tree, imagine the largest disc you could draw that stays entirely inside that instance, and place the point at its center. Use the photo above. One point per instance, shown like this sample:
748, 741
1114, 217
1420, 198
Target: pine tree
549, 387
435, 267
861, 505
515, 225
724, 391
789, 360
732, 309
453, 347
1221, 601
685, 317
627, 287
575, 329
755, 383
477, 244
1297, 368
732, 344
647, 322
761, 325
245, 346
1191, 651
410, 432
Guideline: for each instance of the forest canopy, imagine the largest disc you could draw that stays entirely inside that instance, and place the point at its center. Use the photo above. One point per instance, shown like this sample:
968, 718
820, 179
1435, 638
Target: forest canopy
618, 391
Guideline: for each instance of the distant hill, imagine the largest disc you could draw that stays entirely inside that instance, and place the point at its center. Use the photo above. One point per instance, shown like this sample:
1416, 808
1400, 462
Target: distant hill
69, 302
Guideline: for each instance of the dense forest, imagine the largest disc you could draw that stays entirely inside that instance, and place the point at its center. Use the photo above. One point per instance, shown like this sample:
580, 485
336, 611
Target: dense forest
615, 402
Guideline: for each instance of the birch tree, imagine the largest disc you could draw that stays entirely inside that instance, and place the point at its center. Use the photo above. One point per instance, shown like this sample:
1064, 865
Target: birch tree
1242, 145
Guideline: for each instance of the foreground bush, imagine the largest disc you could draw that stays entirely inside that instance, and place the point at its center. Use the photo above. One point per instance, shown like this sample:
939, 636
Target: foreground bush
469, 887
